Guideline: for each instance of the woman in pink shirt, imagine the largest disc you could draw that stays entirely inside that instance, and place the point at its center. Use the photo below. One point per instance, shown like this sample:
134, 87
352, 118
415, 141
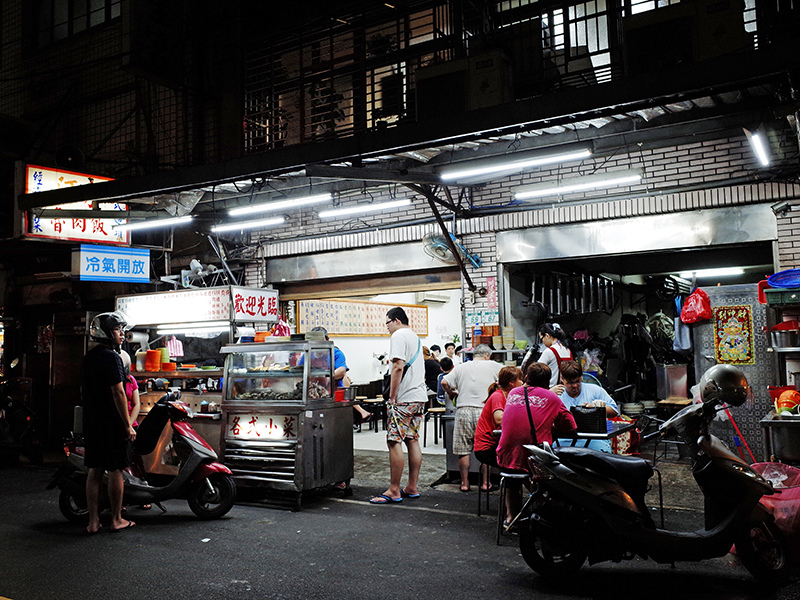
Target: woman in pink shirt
548, 414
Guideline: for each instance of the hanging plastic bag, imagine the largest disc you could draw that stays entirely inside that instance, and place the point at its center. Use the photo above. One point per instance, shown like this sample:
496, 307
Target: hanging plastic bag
696, 308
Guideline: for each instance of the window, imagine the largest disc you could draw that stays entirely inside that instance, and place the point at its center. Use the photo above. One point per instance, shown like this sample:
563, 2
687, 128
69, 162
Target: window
56, 20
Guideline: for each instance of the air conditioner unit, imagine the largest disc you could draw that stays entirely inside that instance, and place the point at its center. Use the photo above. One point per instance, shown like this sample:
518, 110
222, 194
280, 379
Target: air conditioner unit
432, 297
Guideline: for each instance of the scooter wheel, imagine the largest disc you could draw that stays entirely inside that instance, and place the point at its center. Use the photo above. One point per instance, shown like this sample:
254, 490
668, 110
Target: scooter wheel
763, 552
73, 507
547, 556
212, 497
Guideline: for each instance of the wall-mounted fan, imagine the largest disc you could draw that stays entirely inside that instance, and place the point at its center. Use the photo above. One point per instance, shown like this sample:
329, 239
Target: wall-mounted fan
436, 247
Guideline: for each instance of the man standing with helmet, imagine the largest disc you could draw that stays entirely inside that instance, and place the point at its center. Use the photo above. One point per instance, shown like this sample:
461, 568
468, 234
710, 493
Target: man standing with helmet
107, 428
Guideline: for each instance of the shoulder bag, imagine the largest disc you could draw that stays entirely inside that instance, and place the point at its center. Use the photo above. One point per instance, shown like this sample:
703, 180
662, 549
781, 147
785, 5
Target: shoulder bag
530, 417
387, 379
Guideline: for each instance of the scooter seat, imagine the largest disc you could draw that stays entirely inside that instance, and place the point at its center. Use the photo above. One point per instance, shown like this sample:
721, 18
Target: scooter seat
614, 466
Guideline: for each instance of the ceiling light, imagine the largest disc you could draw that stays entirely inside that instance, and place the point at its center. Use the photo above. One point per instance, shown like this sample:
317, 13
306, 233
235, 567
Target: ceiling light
173, 222
720, 272
577, 184
363, 208
287, 204
759, 147
511, 164
238, 225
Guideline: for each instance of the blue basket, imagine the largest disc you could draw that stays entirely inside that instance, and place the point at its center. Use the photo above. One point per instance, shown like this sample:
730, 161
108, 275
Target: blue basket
785, 279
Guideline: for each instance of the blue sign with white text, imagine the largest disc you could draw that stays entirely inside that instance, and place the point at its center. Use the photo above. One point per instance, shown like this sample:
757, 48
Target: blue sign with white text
110, 263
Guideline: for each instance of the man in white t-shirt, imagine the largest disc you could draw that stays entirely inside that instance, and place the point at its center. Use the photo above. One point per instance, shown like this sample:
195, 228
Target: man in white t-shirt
406, 406
471, 381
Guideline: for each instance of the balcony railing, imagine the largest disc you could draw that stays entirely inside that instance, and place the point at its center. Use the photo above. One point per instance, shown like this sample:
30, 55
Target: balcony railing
380, 70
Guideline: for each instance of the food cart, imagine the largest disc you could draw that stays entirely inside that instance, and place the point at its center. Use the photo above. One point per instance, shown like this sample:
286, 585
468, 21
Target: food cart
209, 312
282, 428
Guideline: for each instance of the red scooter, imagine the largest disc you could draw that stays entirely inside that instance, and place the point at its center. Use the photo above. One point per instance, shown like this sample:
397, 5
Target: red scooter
206, 483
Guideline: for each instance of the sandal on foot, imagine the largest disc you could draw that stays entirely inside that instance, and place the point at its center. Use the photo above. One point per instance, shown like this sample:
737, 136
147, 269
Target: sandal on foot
405, 494
384, 499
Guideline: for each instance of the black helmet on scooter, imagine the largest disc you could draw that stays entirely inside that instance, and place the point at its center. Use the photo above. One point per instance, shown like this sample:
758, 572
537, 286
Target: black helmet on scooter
104, 323
725, 383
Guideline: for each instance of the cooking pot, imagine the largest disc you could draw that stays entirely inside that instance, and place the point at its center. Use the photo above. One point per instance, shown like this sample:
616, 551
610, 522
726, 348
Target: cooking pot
350, 392
787, 338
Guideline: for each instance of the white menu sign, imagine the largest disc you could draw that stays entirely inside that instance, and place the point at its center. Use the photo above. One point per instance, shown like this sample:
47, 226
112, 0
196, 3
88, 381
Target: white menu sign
228, 303
182, 306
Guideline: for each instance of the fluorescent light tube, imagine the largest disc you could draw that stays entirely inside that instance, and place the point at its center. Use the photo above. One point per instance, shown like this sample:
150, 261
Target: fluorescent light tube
153, 224
721, 272
197, 327
577, 184
478, 168
238, 225
287, 204
759, 147
363, 208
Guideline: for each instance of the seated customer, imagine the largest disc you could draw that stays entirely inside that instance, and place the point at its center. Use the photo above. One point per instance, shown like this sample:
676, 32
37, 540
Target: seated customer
485, 446
548, 414
577, 394
447, 366
432, 370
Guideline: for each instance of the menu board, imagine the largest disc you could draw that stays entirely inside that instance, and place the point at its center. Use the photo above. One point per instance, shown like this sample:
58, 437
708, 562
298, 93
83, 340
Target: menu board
349, 317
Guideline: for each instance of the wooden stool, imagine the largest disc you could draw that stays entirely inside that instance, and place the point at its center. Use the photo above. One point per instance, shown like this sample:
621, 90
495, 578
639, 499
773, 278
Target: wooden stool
436, 414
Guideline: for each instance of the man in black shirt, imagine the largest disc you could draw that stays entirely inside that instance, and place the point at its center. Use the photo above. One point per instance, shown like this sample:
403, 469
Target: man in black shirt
107, 427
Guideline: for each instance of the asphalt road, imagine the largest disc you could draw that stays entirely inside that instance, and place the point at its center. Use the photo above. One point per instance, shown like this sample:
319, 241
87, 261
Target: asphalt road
431, 548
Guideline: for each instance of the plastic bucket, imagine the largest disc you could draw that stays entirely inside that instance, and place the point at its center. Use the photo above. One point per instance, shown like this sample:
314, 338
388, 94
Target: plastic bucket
152, 360
339, 395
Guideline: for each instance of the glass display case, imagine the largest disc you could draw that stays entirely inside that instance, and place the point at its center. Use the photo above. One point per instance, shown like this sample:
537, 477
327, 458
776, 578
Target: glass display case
282, 428
279, 374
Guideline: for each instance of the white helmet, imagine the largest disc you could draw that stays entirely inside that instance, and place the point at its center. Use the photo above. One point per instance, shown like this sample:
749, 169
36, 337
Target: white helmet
104, 323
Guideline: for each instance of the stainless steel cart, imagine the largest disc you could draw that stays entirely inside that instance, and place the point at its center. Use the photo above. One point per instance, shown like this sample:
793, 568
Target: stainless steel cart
281, 427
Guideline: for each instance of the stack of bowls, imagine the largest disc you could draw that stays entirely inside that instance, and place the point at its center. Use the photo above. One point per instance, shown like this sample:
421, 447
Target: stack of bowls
632, 409
509, 337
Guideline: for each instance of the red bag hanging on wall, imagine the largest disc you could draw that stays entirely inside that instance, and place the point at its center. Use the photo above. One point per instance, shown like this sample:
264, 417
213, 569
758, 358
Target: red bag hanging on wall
696, 308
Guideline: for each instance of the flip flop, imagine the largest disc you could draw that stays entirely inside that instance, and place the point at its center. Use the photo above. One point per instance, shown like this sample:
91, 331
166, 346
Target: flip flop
386, 499
128, 526
405, 494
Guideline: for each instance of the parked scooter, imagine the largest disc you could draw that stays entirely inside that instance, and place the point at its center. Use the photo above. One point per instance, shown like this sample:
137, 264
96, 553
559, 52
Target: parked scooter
206, 483
587, 504
17, 429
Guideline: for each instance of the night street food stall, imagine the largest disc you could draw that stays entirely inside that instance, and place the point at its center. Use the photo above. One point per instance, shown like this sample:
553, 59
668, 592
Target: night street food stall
202, 320
283, 429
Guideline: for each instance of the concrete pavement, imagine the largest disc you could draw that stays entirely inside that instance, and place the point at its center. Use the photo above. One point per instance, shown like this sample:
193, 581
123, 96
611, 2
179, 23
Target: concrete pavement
434, 547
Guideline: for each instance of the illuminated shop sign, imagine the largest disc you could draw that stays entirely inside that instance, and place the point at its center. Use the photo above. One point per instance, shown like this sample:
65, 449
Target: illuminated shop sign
43, 179
111, 263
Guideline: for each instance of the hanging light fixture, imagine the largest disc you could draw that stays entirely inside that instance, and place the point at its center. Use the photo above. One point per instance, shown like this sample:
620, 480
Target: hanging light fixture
759, 145
153, 224
578, 184
238, 225
363, 208
286, 204
482, 170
